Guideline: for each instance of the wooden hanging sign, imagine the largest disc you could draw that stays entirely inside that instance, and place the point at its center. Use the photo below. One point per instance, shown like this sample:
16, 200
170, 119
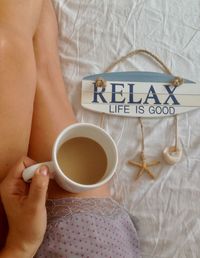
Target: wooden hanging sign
138, 94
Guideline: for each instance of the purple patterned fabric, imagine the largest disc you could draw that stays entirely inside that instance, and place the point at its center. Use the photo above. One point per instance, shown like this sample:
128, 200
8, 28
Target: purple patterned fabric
88, 227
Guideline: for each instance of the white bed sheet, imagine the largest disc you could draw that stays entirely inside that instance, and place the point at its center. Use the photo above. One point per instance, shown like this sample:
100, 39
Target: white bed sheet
93, 34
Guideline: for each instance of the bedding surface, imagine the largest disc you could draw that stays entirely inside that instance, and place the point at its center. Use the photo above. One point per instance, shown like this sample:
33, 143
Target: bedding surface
94, 34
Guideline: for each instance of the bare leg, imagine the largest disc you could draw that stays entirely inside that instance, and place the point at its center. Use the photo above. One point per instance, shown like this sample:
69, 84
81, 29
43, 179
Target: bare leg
18, 21
52, 110
17, 77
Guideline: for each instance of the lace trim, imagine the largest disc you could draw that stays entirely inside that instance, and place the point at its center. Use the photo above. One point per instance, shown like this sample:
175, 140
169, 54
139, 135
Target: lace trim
65, 207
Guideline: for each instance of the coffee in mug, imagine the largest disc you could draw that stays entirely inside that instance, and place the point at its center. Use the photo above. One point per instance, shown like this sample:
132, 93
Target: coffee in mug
84, 157
82, 160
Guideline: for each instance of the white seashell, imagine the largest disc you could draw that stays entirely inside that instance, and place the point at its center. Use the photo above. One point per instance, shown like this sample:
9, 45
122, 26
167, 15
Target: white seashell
172, 154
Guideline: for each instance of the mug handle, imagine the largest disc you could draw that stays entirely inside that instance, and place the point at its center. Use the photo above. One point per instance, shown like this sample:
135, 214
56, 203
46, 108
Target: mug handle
29, 172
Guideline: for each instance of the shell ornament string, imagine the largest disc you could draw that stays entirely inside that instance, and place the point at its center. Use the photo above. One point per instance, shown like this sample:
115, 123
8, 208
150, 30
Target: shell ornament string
171, 154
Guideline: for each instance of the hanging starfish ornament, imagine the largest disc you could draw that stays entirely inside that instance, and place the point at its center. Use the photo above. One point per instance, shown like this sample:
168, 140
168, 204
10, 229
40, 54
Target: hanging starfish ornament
143, 165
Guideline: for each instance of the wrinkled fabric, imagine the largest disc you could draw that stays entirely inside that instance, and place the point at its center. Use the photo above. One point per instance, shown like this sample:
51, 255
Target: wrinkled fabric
89, 227
93, 35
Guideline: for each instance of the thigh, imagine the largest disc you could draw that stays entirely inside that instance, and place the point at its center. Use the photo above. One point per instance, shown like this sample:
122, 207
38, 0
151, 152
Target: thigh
52, 110
17, 77
20, 16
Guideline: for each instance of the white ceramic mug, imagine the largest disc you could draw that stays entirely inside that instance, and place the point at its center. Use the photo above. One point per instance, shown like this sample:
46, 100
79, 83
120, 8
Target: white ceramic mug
79, 130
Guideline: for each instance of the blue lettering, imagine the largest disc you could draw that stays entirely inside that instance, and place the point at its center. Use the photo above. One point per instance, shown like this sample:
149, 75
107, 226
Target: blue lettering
131, 95
152, 95
171, 95
114, 93
100, 94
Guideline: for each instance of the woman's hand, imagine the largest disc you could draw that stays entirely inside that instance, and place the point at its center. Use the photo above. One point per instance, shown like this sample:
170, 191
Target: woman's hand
24, 205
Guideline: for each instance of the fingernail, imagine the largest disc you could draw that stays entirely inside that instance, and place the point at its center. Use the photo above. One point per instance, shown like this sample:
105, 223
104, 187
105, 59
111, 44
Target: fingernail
43, 171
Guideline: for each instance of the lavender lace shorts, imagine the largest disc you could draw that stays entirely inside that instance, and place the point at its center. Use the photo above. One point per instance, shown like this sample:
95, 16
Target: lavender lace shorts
88, 227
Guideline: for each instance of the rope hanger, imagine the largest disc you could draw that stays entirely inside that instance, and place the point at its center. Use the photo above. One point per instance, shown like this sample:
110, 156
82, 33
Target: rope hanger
177, 81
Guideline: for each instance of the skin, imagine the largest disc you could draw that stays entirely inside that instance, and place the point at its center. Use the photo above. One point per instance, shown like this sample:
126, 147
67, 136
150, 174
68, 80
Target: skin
18, 23
17, 84
32, 95
25, 208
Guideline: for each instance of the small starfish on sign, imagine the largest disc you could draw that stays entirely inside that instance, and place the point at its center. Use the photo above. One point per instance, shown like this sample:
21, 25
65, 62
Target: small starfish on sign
144, 166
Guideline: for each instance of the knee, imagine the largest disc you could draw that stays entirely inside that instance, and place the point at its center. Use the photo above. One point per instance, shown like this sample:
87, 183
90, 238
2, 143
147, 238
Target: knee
10, 44
4, 44
17, 59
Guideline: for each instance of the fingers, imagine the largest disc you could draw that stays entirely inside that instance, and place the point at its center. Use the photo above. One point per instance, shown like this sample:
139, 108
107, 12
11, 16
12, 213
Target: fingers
19, 166
39, 186
13, 183
28, 162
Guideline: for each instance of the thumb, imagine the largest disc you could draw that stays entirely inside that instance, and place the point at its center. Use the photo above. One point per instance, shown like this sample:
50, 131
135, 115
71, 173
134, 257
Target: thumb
39, 186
